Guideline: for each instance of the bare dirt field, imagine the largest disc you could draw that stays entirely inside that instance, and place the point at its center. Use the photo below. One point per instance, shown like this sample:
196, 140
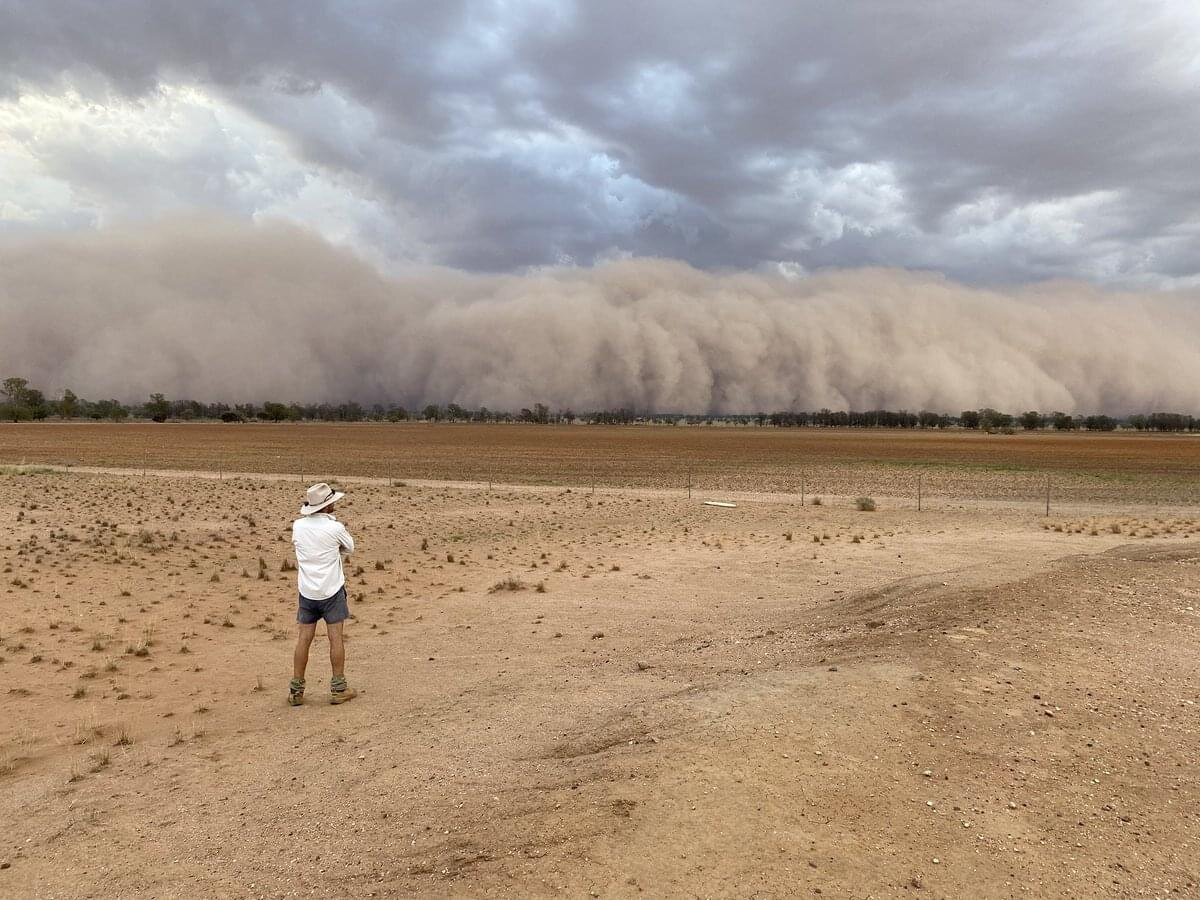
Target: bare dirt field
622, 693
952, 464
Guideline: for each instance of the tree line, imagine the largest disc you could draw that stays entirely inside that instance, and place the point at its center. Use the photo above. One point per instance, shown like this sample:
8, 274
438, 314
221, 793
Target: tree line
19, 401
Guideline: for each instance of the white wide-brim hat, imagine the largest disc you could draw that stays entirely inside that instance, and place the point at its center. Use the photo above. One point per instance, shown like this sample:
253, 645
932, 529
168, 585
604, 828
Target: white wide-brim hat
318, 497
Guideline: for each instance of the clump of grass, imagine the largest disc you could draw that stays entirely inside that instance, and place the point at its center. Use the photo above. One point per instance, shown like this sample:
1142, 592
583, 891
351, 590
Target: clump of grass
100, 760
27, 470
816, 501
864, 504
508, 584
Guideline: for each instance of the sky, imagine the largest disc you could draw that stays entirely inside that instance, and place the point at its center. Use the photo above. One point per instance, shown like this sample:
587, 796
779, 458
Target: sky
674, 206
993, 143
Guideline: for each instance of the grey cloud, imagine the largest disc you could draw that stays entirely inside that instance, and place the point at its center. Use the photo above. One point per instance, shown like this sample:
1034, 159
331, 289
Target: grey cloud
739, 129
214, 309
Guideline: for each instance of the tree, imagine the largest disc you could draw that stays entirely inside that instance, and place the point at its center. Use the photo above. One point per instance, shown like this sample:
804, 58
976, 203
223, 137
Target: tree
158, 408
273, 411
1100, 423
14, 390
68, 406
968, 418
109, 409
1031, 420
992, 419
1062, 422
432, 412
16, 405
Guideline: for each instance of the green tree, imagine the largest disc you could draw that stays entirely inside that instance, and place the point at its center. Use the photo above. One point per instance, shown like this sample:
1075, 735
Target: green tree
432, 412
16, 406
1062, 422
1100, 423
1031, 420
968, 418
68, 406
274, 412
994, 419
158, 408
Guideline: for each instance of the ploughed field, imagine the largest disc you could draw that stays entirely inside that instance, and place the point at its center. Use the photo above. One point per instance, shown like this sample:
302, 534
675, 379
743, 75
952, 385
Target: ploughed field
1113, 467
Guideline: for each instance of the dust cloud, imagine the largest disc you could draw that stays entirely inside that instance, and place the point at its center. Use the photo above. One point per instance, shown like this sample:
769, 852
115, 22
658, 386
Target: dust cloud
214, 310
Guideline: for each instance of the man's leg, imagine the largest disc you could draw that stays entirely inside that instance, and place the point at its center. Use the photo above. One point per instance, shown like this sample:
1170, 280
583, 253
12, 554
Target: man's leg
337, 650
304, 639
339, 693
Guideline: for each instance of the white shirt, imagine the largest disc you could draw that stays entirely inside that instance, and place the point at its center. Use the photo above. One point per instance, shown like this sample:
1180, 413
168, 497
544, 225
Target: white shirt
320, 540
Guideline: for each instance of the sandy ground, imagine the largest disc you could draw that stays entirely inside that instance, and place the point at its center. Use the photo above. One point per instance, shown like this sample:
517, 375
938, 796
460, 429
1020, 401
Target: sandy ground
678, 701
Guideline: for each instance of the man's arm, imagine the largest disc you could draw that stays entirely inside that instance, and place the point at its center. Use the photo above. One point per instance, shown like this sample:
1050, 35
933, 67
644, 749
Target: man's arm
345, 540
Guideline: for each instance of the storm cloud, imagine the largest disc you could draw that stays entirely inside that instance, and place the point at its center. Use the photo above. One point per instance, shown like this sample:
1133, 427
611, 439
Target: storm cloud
993, 143
214, 309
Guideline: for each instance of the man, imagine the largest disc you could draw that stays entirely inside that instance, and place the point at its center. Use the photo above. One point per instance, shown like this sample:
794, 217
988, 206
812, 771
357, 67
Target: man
321, 541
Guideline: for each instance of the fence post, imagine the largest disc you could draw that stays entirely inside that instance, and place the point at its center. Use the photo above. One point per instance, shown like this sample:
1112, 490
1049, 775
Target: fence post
1047, 495
919, 476
689, 482
802, 486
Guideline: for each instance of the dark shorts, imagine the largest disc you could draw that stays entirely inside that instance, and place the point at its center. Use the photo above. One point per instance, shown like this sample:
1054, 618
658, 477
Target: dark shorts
333, 610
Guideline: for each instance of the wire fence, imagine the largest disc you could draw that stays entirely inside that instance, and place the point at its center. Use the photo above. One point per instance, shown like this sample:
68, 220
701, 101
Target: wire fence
919, 488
